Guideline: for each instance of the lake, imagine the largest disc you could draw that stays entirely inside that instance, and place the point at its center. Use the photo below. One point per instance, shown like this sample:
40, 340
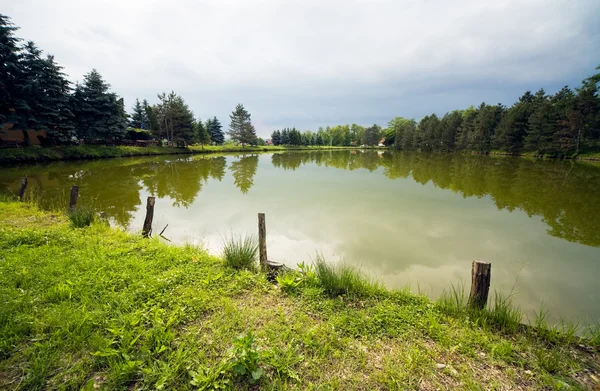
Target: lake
408, 219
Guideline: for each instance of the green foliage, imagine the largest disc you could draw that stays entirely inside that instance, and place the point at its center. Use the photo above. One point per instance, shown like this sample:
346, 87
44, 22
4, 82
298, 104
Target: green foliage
202, 134
81, 217
372, 135
344, 279
174, 119
214, 129
242, 363
240, 252
241, 128
99, 114
139, 116
289, 281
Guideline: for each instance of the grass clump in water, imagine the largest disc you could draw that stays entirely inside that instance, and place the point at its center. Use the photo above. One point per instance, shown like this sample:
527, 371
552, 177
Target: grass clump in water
344, 279
240, 252
81, 217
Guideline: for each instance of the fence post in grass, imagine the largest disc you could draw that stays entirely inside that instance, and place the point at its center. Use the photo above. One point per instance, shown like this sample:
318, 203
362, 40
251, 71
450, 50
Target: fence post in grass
481, 273
74, 196
147, 230
24, 181
262, 241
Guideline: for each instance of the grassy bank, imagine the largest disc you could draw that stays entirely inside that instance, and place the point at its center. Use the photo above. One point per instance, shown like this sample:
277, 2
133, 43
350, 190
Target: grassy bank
40, 154
97, 308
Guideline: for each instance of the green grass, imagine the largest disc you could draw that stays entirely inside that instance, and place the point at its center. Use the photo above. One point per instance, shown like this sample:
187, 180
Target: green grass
240, 252
81, 217
344, 279
98, 308
36, 153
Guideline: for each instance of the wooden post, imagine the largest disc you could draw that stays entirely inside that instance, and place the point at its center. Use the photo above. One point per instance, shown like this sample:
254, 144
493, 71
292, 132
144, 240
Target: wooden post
74, 196
262, 241
481, 274
147, 230
22, 188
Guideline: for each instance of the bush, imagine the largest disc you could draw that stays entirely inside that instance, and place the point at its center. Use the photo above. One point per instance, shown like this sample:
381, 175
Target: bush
240, 252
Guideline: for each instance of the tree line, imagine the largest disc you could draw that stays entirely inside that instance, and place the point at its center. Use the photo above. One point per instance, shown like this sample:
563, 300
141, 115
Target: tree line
561, 124
339, 135
36, 95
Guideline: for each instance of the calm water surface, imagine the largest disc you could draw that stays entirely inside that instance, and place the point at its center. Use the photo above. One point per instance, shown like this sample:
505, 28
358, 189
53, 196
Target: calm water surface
408, 219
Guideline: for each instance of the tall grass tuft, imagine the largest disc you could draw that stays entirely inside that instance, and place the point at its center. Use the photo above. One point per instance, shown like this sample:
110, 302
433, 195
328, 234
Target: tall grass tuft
453, 302
344, 280
503, 315
81, 217
240, 252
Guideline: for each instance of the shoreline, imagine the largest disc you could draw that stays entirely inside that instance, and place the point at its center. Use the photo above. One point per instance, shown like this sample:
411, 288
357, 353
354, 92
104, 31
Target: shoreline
93, 152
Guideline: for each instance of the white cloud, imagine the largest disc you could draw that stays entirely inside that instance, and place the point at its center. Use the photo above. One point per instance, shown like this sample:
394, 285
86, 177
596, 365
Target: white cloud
311, 61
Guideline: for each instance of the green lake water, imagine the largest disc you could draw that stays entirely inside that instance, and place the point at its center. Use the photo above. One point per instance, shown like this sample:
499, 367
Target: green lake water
407, 219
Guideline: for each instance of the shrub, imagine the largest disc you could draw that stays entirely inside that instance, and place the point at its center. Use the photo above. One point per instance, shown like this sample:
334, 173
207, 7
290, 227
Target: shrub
240, 252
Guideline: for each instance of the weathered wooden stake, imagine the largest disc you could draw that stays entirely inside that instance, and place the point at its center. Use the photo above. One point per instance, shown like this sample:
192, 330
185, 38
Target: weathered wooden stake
481, 274
74, 196
147, 230
22, 188
262, 241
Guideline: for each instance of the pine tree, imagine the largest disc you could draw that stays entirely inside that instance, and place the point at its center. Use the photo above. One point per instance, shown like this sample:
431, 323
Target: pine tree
202, 134
174, 118
319, 140
137, 115
55, 112
241, 128
9, 69
285, 137
276, 137
214, 128
44, 92
99, 114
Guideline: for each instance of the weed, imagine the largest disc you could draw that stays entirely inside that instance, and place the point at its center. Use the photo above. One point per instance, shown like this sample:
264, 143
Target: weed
243, 362
245, 358
289, 281
240, 252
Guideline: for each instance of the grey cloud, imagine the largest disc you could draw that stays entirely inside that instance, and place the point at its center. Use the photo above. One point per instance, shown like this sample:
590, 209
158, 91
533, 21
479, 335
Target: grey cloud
311, 63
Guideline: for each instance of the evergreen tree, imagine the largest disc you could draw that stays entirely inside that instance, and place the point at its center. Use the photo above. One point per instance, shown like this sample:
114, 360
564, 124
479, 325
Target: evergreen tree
174, 118
276, 137
285, 137
202, 134
55, 112
9, 69
372, 135
540, 125
214, 128
44, 93
319, 140
99, 113
241, 128
512, 128
138, 115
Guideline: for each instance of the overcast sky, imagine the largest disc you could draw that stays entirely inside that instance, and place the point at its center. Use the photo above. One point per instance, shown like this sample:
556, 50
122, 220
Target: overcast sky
310, 63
